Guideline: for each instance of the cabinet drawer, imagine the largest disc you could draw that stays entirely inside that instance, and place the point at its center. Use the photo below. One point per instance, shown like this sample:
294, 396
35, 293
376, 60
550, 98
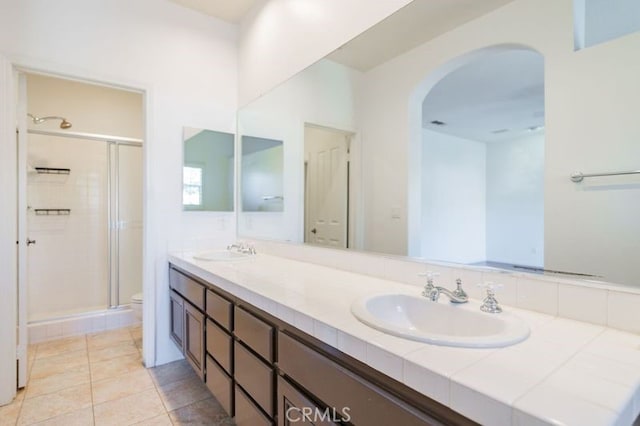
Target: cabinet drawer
257, 334
246, 413
188, 288
194, 338
295, 408
339, 388
220, 385
220, 309
255, 377
219, 345
177, 320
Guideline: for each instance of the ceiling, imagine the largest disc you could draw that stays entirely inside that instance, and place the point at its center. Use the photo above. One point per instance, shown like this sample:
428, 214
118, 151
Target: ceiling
228, 10
409, 27
496, 97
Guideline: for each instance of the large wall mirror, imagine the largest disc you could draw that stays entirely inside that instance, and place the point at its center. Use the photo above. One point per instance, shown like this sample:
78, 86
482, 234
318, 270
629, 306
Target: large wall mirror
208, 170
448, 133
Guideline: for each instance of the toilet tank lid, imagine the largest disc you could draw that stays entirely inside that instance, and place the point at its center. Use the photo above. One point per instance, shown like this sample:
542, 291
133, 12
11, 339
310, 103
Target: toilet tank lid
137, 297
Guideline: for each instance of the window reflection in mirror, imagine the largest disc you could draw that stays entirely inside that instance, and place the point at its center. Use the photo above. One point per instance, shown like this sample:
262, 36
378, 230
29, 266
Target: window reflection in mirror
261, 175
207, 177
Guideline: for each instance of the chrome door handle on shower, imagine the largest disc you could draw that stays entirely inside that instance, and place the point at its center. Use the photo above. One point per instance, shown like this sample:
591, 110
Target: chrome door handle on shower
30, 241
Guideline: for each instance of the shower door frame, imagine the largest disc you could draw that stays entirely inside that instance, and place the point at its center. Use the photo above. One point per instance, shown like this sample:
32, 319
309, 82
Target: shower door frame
113, 194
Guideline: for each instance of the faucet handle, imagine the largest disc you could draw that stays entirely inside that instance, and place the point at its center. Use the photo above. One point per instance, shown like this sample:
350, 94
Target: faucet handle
490, 303
428, 287
459, 292
251, 247
430, 276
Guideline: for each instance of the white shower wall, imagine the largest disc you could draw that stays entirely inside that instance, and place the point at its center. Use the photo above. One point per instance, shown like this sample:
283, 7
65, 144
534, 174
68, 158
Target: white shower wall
67, 267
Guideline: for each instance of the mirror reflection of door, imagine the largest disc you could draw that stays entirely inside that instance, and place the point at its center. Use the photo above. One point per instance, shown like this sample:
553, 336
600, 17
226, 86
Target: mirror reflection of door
326, 153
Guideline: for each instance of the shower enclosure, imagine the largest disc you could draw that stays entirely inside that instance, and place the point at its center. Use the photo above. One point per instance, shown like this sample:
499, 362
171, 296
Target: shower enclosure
84, 219
79, 208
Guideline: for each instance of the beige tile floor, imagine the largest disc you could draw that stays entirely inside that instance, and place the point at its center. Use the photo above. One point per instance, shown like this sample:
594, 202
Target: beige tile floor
98, 379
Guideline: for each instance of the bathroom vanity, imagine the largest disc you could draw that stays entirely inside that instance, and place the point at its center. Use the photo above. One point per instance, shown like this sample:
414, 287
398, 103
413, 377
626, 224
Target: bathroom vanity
265, 371
274, 340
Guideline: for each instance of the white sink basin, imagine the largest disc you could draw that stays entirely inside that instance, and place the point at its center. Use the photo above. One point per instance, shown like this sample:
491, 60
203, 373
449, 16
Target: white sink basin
220, 256
417, 318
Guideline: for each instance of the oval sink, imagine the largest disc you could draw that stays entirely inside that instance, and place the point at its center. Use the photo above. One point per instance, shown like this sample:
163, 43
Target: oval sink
220, 256
417, 318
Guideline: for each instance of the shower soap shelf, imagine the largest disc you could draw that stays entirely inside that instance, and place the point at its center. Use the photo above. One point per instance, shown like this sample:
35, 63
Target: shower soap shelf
52, 212
52, 171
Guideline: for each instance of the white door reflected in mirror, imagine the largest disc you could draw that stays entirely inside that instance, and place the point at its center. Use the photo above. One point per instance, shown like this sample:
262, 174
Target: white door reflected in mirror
326, 209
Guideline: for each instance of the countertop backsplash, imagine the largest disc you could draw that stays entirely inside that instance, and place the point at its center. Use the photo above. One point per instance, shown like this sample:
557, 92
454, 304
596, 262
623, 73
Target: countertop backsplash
595, 302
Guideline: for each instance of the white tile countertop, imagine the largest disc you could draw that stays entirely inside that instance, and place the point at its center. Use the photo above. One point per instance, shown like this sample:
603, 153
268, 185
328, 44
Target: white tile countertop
566, 372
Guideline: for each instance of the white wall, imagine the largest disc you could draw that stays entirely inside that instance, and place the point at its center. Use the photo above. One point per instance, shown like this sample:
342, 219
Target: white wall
515, 200
325, 95
186, 62
591, 125
453, 198
262, 177
282, 37
88, 107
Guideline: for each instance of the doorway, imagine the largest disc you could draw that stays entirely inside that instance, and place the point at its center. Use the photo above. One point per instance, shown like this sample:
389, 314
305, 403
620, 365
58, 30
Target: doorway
327, 175
482, 139
80, 165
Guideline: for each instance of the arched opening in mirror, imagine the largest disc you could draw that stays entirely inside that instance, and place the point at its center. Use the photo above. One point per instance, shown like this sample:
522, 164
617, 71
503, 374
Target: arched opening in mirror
481, 168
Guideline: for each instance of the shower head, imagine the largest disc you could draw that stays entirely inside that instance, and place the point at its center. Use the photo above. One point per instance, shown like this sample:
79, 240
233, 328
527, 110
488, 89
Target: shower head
39, 120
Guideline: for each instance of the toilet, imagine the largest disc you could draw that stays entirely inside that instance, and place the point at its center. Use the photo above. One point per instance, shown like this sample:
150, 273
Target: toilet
136, 305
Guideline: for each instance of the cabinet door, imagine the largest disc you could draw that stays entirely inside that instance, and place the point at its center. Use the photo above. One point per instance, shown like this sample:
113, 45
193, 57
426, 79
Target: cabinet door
295, 408
177, 320
194, 338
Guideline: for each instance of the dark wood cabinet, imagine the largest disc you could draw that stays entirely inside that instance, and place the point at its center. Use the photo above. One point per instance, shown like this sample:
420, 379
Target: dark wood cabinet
247, 413
341, 389
220, 346
220, 310
265, 371
255, 376
177, 320
190, 289
296, 408
194, 338
220, 384
255, 333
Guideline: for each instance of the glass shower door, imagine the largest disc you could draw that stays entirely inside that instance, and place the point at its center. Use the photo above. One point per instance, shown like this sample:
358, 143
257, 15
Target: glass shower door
126, 223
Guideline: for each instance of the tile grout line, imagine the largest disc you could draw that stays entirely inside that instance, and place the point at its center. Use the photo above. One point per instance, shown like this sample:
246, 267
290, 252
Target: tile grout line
93, 411
555, 370
155, 385
58, 390
29, 368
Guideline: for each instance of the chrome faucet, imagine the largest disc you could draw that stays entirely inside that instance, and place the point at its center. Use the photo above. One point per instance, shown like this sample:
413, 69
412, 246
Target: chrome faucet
490, 304
242, 247
429, 287
433, 292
